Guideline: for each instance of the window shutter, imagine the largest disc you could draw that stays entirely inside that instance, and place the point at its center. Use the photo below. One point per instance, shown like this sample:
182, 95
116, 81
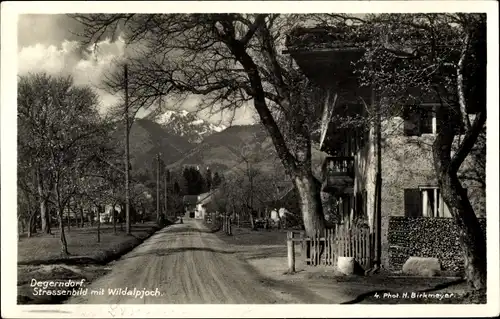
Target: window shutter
412, 122
413, 202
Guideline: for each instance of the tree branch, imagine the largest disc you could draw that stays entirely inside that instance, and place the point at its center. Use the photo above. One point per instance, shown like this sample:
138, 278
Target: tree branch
460, 82
259, 21
468, 142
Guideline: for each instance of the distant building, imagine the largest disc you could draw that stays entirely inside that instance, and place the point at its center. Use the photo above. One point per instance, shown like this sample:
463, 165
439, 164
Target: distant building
202, 204
189, 202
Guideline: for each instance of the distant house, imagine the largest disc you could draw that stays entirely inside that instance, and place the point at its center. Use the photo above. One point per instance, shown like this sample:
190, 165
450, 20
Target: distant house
189, 202
287, 199
202, 204
198, 205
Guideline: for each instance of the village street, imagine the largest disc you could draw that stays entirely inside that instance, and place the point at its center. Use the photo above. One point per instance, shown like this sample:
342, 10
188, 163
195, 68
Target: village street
189, 264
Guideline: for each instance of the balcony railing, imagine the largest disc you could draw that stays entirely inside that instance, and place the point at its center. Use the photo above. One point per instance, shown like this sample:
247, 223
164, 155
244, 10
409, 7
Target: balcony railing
338, 173
338, 165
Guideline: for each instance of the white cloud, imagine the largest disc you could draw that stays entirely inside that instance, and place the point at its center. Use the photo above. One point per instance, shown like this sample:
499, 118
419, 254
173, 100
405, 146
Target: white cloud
87, 68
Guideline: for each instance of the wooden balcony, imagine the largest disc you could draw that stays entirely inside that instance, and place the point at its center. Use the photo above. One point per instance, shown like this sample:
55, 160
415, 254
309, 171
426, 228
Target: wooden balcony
338, 174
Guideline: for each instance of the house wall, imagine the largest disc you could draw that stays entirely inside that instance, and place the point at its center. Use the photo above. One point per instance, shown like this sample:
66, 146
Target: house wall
407, 163
199, 212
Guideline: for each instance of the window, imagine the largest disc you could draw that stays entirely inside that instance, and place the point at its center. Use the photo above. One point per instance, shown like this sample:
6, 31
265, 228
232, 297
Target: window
419, 120
426, 120
425, 202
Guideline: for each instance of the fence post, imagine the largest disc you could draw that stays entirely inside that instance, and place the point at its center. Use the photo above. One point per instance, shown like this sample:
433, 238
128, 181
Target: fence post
291, 252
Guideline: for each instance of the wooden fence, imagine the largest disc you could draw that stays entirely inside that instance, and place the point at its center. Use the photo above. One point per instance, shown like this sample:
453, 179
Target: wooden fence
225, 222
340, 241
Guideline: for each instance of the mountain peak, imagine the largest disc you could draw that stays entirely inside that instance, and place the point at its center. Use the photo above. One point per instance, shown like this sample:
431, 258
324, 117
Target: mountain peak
188, 125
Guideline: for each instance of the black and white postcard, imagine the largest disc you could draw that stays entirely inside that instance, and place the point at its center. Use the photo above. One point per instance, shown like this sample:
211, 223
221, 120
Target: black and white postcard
249, 159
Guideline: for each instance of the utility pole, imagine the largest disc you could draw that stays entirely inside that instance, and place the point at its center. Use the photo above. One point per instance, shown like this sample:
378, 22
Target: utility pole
378, 182
167, 177
127, 154
158, 187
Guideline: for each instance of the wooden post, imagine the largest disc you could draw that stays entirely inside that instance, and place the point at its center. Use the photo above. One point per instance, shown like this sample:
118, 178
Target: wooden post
99, 223
158, 188
291, 252
166, 193
127, 153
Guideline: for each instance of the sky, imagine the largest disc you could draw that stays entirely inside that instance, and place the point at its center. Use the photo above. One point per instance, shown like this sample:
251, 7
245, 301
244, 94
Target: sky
49, 43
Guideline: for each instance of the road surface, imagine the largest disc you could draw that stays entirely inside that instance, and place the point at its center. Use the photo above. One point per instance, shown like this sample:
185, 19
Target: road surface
186, 263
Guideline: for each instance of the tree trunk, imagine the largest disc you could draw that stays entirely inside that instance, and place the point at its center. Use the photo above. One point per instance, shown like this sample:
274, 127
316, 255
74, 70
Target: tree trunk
252, 221
45, 217
32, 224
44, 214
31, 228
62, 236
23, 225
69, 221
82, 217
306, 184
98, 223
310, 203
121, 217
114, 220
470, 233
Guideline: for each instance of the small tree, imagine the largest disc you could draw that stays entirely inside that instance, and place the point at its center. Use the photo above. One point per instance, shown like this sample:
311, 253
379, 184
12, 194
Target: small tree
63, 119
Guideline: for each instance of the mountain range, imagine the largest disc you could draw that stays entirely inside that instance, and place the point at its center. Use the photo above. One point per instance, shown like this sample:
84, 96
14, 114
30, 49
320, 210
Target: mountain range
183, 140
188, 125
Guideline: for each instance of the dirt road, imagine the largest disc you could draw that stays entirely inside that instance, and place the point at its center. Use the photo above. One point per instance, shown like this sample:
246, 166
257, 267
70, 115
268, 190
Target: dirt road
185, 263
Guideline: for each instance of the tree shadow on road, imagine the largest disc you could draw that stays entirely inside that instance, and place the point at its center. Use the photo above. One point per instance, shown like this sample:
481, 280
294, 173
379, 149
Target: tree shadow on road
170, 251
185, 229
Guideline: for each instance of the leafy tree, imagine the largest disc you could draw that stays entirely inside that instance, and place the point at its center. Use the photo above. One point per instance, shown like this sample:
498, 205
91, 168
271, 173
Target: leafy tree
194, 181
177, 188
209, 179
217, 180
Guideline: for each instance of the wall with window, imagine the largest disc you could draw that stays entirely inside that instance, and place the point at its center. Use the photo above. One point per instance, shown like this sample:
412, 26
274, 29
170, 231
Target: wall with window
409, 183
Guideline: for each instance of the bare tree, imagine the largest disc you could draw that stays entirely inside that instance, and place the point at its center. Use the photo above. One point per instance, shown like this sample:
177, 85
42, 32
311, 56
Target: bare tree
228, 60
64, 121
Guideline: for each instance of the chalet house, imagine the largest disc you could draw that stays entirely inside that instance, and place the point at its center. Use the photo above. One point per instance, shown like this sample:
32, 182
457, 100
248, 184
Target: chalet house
412, 218
198, 205
202, 205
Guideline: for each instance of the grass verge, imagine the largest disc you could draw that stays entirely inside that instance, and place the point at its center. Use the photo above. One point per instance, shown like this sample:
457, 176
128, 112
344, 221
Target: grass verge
39, 258
82, 245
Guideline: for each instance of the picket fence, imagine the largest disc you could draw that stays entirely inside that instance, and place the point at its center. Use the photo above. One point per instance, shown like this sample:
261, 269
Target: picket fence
354, 241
